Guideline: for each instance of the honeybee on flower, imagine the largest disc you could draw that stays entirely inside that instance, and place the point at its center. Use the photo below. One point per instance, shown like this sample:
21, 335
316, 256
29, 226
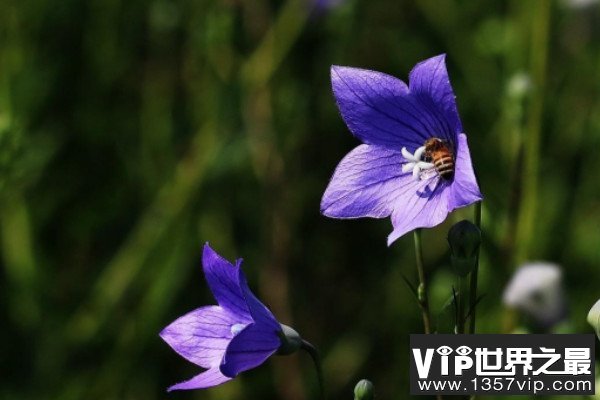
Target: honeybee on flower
414, 164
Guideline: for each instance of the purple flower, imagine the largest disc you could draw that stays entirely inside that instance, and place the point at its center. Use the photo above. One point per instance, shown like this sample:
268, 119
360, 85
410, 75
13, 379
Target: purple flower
414, 164
237, 335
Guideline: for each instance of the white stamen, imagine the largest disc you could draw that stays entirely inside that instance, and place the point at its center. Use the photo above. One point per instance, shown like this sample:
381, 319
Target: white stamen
415, 163
408, 167
424, 166
413, 158
237, 328
406, 154
416, 172
419, 153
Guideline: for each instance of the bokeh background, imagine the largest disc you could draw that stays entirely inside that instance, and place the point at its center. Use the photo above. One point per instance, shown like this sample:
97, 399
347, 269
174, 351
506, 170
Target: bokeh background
132, 132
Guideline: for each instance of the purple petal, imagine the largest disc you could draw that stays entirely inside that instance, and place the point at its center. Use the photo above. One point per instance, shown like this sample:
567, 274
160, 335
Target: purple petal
422, 204
212, 377
249, 349
261, 315
202, 336
429, 81
223, 280
364, 184
464, 189
379, 110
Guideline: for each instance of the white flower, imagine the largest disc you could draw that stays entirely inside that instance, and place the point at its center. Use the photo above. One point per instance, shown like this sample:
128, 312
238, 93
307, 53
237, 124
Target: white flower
579, 4
536, 289
594, 317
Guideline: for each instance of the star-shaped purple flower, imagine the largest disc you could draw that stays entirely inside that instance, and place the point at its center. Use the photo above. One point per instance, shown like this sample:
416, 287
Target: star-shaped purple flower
414, 164
237, 335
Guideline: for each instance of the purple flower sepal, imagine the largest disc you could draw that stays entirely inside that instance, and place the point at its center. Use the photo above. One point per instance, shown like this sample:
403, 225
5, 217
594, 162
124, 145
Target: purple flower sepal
414, 165
236, 335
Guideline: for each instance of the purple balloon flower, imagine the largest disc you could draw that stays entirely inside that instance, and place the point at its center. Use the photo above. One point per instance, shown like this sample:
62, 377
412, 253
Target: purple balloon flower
237, 335
414, 164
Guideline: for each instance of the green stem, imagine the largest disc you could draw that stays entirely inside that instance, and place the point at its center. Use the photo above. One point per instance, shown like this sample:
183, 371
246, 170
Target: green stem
277, 43
314, 354
422, 289
474, 276
460, 306
540, 14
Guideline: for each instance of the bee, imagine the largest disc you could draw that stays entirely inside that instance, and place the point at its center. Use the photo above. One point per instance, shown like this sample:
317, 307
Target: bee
439, 152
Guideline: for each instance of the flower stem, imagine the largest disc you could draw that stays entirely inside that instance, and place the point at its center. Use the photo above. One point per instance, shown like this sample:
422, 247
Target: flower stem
473, 285
422, 289
460, 306
314, 354
540, 14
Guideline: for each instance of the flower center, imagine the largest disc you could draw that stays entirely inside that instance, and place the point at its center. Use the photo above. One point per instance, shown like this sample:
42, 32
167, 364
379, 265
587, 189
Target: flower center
434, 157
415, 163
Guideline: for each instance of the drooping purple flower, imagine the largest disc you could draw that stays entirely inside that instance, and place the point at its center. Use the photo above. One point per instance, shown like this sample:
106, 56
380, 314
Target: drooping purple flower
236, 335
415, 164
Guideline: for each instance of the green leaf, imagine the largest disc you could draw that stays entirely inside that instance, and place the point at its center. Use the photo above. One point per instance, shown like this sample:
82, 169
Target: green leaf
412, 287
446, 320
481, 296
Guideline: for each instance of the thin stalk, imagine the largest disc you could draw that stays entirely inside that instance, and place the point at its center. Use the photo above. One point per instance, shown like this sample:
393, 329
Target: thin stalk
277, 43
314, 354
474, 276
540, 14
460, 306
422, 289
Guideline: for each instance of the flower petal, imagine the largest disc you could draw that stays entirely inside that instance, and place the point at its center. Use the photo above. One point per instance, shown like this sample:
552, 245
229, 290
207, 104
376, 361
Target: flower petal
364, 183
209, 378
421, 204
430, 83
379, 110
261, 315
201, 336
223, 280
464, 189
249, 349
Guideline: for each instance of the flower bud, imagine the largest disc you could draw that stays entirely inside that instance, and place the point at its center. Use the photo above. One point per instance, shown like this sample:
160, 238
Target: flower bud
593, 317
464, 239
290, 341
364, 390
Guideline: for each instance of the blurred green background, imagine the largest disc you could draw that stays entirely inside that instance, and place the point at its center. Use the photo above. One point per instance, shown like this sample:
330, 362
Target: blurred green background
132, 132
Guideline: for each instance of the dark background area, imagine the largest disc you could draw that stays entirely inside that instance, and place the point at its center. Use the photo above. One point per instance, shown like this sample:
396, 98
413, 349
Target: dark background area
132, 132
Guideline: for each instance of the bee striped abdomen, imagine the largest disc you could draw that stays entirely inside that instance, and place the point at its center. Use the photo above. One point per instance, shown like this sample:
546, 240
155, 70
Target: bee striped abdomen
444, 165
438, 152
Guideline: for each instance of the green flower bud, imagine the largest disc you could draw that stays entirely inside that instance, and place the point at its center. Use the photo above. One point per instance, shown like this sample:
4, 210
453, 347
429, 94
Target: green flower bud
464, 239
364, 390
593, 318
290, 341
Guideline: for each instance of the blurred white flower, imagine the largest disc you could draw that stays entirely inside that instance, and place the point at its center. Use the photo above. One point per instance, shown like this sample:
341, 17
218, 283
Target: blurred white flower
536, 289
519, 85
579, 4
594, 317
